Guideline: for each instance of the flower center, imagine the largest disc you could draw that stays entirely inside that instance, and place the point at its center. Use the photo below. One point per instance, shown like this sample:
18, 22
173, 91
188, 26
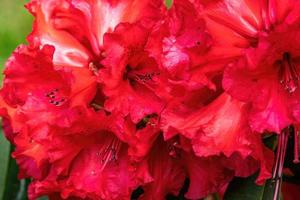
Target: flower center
174, 148
288, 73
109, 153
94, 68
134, 76
54, 98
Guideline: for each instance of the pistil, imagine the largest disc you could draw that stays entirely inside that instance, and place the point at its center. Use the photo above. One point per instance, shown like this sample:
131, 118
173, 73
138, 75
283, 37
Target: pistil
296, 146
280, 157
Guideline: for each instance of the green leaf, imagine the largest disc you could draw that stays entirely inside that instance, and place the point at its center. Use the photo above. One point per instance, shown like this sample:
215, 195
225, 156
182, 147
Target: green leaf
22, 190
169, 3
245, 188
271, 141
15, 23
4, 163
43, 198
14, 189
10, 187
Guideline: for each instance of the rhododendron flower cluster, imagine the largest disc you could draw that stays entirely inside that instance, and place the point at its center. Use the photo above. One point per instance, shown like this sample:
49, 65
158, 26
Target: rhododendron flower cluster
110, 97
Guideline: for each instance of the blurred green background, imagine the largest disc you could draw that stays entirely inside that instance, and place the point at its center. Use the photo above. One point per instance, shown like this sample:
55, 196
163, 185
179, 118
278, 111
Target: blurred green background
15, 25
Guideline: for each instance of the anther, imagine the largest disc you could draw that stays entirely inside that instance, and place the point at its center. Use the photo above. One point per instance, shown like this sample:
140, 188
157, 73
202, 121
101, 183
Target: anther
54, 98
173, 150
93, 68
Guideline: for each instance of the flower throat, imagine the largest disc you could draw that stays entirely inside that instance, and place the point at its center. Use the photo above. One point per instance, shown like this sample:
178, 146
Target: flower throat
288, 73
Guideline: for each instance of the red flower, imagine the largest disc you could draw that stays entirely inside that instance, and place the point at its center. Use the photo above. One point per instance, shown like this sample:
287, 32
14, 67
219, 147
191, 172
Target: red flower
76, 27
179, 44
264, 34
221, 128
56, 131
111, 96
32, 85
207, 176
164, 165
129, 75
98, 167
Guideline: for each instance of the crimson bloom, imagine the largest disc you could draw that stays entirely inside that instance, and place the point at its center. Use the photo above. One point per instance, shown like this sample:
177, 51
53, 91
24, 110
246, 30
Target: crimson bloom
129, 75
65, 130
111, 98
76, 28
264, 36
215, 130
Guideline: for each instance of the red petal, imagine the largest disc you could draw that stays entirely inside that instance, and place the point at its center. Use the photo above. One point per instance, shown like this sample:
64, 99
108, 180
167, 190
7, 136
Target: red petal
168, 175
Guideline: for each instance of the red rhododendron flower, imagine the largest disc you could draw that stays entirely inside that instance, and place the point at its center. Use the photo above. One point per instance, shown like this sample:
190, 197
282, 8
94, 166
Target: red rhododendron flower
179, 44
76, 28
130, 100
129, 74
264, 34
214, 130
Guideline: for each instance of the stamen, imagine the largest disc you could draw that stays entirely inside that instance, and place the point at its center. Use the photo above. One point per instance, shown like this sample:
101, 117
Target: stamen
296, 146
93, 67
147, 120
109, 153
54, 98
172, 152
97, 106
288, 73
280, 157
146, 77
174, 149
134, 76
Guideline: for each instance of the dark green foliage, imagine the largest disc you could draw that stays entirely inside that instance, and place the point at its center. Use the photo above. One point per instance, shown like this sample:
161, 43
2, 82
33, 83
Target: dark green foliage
245, 188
